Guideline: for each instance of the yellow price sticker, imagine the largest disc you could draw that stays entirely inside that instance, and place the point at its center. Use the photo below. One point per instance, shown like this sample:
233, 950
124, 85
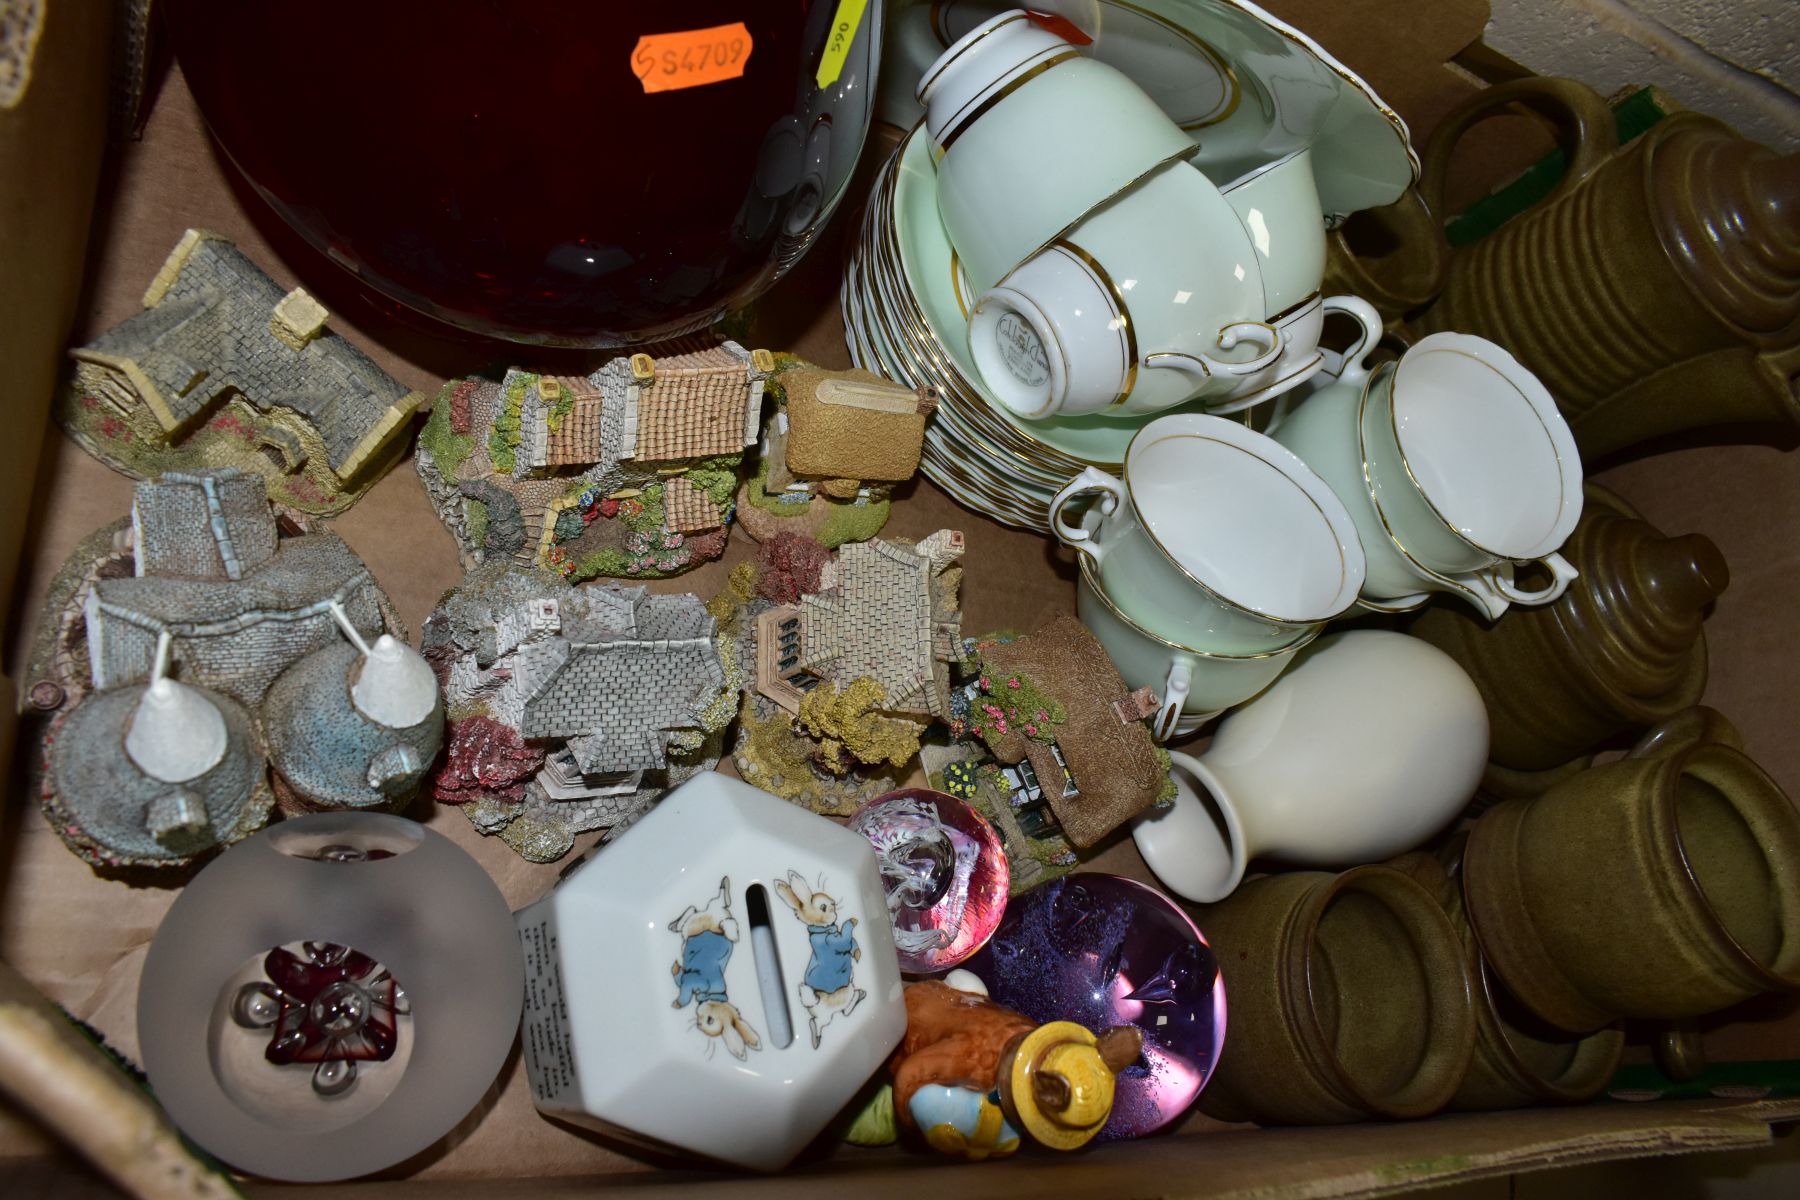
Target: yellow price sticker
843, 31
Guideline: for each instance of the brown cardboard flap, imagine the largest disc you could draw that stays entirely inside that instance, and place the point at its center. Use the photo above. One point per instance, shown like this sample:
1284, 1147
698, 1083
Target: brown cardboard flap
81, 939
1285, 1164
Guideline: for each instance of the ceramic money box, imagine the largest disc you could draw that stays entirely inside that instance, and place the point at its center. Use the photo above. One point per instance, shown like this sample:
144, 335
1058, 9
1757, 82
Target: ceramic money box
718, 981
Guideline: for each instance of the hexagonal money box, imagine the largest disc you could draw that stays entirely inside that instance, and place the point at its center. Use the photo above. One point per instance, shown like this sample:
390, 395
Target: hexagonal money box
719, 980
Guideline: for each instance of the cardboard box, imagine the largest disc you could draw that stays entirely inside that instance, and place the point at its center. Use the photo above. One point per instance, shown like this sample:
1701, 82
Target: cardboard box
81, 939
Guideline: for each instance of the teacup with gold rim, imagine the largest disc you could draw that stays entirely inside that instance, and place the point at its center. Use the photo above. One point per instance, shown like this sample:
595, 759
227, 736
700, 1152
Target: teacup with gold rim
1154, 299
1469, 461
1217, 537
1029, 138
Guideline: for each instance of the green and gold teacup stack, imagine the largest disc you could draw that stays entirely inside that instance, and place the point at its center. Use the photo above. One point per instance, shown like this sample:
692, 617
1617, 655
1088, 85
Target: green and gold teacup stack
1204, 611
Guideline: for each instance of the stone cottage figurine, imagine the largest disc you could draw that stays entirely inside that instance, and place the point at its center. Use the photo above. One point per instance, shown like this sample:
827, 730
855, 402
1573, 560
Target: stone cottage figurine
851, 674
229, 647
627, 472
572, 709
222, 369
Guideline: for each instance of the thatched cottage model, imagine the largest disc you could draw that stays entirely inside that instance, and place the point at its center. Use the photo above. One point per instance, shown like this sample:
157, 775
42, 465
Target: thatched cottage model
224, 369
833, 451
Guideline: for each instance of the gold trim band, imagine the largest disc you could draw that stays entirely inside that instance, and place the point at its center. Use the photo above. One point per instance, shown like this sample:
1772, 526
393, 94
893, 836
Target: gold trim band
939, 149
1118, 295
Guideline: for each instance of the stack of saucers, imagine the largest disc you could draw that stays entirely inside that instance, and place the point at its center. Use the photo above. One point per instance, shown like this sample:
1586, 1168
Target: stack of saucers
907, 298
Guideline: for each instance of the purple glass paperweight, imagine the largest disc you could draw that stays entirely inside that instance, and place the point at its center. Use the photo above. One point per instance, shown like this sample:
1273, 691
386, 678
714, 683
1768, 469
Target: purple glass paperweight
1103, 950
945, 873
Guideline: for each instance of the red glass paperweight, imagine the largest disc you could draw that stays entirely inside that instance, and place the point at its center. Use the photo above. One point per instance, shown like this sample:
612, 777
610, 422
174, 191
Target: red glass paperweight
326, 1004
548, 171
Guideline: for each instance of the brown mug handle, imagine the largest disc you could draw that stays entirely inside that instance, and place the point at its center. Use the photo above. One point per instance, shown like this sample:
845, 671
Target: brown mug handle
1696, 726
1590, 132
1409, 275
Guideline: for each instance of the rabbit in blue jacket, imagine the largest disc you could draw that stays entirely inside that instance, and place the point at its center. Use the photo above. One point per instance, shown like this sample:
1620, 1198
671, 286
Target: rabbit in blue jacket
707, 937
828, 985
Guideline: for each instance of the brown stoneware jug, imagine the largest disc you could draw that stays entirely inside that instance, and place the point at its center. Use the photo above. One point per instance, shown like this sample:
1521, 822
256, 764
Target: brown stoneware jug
1349, 1000
1682, 244
1664, 886
1621, 650
1519, 1060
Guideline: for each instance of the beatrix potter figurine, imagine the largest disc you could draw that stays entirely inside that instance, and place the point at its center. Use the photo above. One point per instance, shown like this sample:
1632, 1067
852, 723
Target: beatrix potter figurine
970, 1075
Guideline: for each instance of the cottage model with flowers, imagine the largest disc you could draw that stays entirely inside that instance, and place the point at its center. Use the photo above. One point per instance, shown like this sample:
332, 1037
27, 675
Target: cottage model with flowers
630, 471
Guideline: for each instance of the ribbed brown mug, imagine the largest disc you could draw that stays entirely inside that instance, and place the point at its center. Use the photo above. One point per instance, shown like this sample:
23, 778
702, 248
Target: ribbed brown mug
1665, 885
1349, 1000
1519, 1061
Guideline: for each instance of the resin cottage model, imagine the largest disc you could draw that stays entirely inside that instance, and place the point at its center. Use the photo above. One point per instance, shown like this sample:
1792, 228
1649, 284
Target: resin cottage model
1070, 734
222, 369
628, 472
572, 709
849, 676
228, 647
832, 452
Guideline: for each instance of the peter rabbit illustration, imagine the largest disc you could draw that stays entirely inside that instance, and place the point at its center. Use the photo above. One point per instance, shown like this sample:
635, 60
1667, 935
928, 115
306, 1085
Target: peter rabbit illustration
827, 985
707, 936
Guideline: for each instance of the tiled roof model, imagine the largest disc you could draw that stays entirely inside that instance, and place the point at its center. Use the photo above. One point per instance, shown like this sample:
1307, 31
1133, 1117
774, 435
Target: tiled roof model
622, 691
214, 323
853, 425
212, 525
231, 635
696, 406
687, 509
878, 619
576, 440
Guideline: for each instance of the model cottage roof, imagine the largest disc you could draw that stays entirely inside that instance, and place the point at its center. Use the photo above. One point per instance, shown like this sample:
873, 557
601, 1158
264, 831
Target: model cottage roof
239, 606
853, 425
576, 440
1113, 760
695, 405
884, 614
688, 509
213, 322
617, 693
211, 525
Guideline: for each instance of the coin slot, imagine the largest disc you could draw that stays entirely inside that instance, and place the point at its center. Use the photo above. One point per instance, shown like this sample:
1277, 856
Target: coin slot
769, 978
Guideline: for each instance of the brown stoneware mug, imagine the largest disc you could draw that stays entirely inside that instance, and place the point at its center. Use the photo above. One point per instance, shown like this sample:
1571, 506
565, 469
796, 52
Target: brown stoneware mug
1665, 885
1349, 1000
1519, 1061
